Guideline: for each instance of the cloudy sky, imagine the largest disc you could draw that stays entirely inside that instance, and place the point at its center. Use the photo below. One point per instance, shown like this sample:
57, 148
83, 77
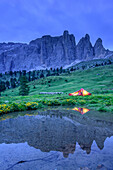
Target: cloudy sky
24, 20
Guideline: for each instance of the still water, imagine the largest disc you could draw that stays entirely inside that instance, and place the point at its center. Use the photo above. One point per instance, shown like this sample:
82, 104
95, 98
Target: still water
56, 140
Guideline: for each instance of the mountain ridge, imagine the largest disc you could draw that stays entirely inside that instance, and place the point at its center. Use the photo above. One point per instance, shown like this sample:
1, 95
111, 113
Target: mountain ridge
48, 51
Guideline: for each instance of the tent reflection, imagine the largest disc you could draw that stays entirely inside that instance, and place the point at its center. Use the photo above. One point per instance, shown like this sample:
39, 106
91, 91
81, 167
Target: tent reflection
81, 110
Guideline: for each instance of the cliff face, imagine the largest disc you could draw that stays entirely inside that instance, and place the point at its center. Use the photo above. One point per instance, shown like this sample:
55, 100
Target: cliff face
48, 52
99, 50
84, 49
40, 53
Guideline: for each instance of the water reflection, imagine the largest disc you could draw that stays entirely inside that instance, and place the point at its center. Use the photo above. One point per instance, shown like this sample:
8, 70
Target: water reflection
81, 110
54, 133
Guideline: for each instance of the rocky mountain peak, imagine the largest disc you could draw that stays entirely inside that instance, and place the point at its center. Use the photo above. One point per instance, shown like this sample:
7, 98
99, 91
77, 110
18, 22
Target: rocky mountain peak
84, 48
87, 37
99, 49
98, 43
99, 40
66, 33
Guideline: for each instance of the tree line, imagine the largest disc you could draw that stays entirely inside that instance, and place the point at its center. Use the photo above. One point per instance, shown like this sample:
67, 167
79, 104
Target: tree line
13, 79
16, 78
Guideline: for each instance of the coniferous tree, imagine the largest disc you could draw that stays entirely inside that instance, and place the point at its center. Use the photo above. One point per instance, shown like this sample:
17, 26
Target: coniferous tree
61, 69
24, 88
13, 84
7, 84
54, 70
2, 86
24, 72
29, 76
33, 75
105, 63
20, 73
15, 73
48, 73
10, 73
57, 70
41, 75
71, 69
109, 62
0, 74
83, 67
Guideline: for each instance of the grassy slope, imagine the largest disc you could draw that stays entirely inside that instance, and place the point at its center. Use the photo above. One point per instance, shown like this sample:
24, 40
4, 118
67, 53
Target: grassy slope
98, 81
93, 80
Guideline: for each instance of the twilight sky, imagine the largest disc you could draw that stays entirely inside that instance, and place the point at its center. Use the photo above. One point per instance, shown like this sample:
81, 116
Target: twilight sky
24, 20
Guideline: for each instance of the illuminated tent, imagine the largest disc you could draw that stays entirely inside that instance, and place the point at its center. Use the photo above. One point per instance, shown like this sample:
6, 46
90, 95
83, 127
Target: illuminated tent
81, 110
80, 92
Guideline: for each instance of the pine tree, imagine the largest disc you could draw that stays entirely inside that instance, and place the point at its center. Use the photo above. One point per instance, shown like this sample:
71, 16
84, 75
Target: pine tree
109, 62
24, 72
7, 84
29, 76
61, 69
0, 74
24, 89
2, 86
15, 72
71, 69
33, 75
57, 70
13, 84
48, 73
41, 75
10, 73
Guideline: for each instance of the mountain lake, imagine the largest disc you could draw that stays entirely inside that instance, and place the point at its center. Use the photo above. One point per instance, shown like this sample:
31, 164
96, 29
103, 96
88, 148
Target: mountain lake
56, 139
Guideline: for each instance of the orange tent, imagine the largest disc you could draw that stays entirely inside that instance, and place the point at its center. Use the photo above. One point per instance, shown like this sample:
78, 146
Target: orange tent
80, 92
81, 110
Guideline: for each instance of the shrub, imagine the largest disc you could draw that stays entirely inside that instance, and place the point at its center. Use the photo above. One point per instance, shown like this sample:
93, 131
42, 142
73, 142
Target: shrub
68, 102
82, 102
4, 108
93, 101
31, 106
108, 104
102, 109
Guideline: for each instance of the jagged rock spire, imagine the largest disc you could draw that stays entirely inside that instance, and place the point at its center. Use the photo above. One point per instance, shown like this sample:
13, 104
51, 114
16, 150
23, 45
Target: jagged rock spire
87, 37
84, 48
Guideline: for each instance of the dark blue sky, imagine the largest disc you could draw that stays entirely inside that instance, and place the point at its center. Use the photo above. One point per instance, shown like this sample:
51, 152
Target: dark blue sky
24, 20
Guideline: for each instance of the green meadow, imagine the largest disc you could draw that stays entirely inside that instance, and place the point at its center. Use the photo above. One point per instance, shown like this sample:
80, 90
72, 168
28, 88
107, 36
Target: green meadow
98, 81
